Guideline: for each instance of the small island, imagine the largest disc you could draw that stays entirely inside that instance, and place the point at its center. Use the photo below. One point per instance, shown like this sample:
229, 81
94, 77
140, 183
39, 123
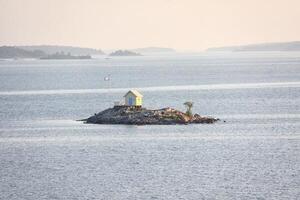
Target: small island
132, 113
124, 53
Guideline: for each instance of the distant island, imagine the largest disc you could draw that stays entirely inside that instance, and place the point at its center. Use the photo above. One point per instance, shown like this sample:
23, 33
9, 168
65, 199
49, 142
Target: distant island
279, 46
124, 53
9, 52
154, 50
62, 55
14, 52
52, 49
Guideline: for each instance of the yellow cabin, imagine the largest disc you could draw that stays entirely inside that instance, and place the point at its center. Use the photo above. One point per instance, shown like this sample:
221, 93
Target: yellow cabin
133, 98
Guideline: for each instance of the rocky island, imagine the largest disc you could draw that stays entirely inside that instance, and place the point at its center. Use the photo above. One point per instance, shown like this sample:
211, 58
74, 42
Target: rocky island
133, 113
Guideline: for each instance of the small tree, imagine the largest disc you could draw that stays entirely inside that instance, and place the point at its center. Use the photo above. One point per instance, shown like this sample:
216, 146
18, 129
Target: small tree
189, 106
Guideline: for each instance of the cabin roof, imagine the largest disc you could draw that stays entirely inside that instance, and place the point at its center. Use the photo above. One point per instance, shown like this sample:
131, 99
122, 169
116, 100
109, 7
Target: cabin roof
134, 92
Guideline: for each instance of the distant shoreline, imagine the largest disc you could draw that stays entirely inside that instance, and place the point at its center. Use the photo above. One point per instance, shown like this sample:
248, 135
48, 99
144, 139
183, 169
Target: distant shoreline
276, 46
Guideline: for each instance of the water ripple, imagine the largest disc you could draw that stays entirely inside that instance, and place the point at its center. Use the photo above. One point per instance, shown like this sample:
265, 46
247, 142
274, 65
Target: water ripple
158, 88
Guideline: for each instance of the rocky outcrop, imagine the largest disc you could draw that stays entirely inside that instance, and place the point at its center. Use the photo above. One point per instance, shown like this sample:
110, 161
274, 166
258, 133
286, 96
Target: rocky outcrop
142, 116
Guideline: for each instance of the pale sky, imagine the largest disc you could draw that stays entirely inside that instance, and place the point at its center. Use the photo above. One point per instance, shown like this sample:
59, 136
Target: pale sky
179, 24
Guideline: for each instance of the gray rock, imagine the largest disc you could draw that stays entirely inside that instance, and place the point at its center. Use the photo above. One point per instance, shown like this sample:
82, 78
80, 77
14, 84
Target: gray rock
142, 116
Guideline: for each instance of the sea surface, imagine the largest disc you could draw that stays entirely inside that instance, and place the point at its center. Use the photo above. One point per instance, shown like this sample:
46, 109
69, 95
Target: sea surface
252, 153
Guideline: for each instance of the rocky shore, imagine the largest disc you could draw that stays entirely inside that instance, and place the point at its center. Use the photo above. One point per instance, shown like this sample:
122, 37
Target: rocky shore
141, 116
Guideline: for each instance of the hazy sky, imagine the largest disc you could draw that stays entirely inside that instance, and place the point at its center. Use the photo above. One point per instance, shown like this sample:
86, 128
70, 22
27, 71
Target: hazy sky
180, 24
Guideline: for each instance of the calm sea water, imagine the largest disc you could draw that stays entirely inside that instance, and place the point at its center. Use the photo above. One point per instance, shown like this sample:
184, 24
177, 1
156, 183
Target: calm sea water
46, 154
